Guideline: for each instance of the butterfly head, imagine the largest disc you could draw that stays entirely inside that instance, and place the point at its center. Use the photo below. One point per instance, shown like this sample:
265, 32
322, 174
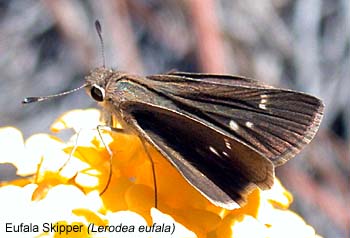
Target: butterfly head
97, 81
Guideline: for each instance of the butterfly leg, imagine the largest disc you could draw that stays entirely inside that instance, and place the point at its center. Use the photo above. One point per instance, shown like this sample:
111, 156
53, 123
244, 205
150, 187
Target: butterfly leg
120, 130
71, 153
99, 128
116, 130
153, 172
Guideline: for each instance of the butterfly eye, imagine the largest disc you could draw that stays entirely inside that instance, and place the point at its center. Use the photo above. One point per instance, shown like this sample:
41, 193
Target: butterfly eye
97, 93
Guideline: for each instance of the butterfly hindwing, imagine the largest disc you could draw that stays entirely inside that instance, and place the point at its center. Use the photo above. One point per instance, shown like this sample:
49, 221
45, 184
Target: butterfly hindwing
222, 169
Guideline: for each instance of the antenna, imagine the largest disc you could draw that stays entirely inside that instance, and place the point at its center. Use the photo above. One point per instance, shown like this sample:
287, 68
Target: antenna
43, 98
39, 99
99, 33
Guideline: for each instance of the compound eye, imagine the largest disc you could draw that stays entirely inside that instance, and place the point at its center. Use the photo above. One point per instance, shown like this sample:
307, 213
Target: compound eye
97, 93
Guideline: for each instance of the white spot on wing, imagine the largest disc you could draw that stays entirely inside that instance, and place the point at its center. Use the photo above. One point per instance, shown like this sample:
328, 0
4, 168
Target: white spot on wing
227, 143
262, 106
224, 153
249, 124
233, 125
212, 149
263, 101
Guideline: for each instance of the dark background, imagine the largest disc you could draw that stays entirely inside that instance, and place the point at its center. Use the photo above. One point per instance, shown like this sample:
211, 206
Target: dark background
47, 47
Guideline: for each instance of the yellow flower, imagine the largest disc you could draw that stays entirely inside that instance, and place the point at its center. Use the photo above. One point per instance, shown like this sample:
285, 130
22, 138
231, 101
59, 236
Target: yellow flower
58, 190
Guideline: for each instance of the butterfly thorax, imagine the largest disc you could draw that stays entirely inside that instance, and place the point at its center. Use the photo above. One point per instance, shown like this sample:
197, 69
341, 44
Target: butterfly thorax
112, 88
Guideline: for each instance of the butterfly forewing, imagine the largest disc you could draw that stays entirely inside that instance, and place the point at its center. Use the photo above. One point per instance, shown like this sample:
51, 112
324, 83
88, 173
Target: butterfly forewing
275, 122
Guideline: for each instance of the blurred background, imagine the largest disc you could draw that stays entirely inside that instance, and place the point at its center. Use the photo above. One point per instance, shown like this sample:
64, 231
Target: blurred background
47, 47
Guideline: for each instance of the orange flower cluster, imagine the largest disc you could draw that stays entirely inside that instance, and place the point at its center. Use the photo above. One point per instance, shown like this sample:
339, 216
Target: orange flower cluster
60, 184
